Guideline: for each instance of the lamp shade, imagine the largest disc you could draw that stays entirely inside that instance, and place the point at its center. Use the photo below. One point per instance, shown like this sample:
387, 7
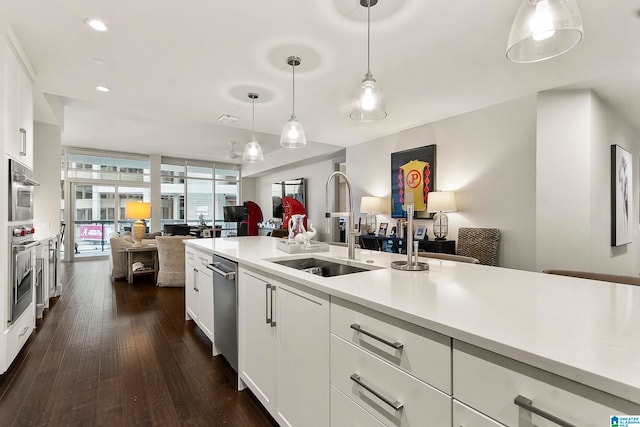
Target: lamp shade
441, 201
543, 29
253, 152
370, 204
293, 135
137, 210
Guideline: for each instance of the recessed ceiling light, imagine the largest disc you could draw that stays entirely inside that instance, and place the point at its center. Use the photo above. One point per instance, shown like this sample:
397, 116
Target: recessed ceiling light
102, 89
96, 24
99, 61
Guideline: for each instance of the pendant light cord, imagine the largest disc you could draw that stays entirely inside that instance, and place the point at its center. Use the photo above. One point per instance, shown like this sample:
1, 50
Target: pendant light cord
368, 36
253, 118
293, 101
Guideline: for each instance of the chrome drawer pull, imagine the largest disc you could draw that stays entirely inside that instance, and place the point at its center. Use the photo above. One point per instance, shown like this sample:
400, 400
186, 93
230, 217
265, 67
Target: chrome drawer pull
23, 134
273, 296
396, 345
267, 293
527, 404
24, 331
395, 405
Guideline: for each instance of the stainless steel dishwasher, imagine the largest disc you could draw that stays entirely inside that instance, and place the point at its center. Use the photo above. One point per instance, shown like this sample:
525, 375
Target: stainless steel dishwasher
225, 308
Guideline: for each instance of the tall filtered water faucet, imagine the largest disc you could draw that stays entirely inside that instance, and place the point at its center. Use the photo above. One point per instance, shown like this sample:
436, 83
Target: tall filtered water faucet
352, 232
412, 263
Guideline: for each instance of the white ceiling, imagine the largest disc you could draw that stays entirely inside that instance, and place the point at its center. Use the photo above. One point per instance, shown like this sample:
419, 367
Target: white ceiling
174, 67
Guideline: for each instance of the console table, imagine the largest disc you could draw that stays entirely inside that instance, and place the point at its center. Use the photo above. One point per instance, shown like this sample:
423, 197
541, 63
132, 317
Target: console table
397, 245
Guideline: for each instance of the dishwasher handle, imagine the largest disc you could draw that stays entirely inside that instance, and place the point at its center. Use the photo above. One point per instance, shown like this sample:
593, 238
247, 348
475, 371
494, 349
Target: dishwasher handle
215, 267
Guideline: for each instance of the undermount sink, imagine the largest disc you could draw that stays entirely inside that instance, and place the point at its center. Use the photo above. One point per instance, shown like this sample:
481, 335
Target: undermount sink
322, 267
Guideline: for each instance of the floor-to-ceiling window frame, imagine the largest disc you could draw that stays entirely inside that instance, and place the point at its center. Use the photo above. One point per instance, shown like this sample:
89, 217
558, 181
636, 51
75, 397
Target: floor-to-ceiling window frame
194, 192
95, 186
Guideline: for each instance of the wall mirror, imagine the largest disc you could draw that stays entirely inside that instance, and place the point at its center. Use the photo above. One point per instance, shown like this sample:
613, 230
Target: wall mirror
294, 188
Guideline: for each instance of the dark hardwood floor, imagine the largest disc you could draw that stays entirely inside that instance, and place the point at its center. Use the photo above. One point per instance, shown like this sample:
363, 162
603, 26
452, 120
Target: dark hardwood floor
109, 353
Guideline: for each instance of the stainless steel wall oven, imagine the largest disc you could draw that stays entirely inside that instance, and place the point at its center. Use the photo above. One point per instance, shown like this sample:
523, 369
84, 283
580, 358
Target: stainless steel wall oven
21, 185
23, 256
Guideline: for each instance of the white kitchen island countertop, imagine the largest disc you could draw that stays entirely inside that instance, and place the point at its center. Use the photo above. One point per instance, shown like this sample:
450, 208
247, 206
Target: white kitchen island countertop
583, 330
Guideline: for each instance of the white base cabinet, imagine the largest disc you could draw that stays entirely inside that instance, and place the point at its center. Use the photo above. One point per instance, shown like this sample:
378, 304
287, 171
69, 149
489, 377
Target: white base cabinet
490, 383
199, 291
284, 348
394, 397
16, 335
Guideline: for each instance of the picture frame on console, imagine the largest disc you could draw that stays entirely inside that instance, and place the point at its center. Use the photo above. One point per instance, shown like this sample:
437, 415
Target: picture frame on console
421, 231
382, 231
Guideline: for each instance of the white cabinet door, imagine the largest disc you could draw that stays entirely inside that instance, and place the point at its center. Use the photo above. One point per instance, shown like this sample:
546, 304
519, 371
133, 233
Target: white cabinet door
257, 338
284, 348
190, 286
18, 107
205, 300
303, 329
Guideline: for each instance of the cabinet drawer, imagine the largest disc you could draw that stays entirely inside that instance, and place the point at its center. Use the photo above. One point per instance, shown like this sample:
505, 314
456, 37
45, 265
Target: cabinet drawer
421, 404
19, 333
345, 412
424, 354
489, 383
203, 259
463, 416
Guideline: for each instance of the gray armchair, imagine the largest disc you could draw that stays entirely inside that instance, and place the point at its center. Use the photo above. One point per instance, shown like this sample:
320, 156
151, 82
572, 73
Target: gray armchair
171, 260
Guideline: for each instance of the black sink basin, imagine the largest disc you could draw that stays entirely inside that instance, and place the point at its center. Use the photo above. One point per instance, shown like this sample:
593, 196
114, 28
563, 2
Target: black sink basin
321, 267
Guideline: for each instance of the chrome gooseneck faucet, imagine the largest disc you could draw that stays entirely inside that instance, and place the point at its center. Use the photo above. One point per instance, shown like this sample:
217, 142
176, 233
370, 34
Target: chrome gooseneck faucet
353, 233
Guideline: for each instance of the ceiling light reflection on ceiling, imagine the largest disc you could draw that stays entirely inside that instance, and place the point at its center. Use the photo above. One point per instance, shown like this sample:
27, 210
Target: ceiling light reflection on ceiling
103, 89
97, 24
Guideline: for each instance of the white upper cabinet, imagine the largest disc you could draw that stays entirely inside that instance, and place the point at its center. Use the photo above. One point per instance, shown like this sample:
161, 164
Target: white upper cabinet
17, 105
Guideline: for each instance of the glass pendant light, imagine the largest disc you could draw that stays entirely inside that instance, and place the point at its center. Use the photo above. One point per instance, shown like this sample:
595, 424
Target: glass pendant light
293, 133
369, 106
253, 151
544, 29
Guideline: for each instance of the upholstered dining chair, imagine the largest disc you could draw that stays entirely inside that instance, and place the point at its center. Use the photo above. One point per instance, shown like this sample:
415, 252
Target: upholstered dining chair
605, 277
450, 257
479, 243
171, 260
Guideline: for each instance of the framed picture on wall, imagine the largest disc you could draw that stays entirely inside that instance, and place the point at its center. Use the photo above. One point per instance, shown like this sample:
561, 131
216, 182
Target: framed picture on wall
413, 175
621, 196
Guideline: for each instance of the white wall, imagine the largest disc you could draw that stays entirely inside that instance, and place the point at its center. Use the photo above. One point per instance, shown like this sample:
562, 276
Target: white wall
575, 132
46, 170
315, 176
487, 157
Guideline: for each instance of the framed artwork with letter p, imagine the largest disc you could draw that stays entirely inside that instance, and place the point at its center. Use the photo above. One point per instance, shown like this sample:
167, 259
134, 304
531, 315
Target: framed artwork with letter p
413, 176
621, 196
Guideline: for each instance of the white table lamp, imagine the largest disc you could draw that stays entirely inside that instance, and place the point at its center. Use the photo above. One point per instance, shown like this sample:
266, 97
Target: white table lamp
441, 202
138, 211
